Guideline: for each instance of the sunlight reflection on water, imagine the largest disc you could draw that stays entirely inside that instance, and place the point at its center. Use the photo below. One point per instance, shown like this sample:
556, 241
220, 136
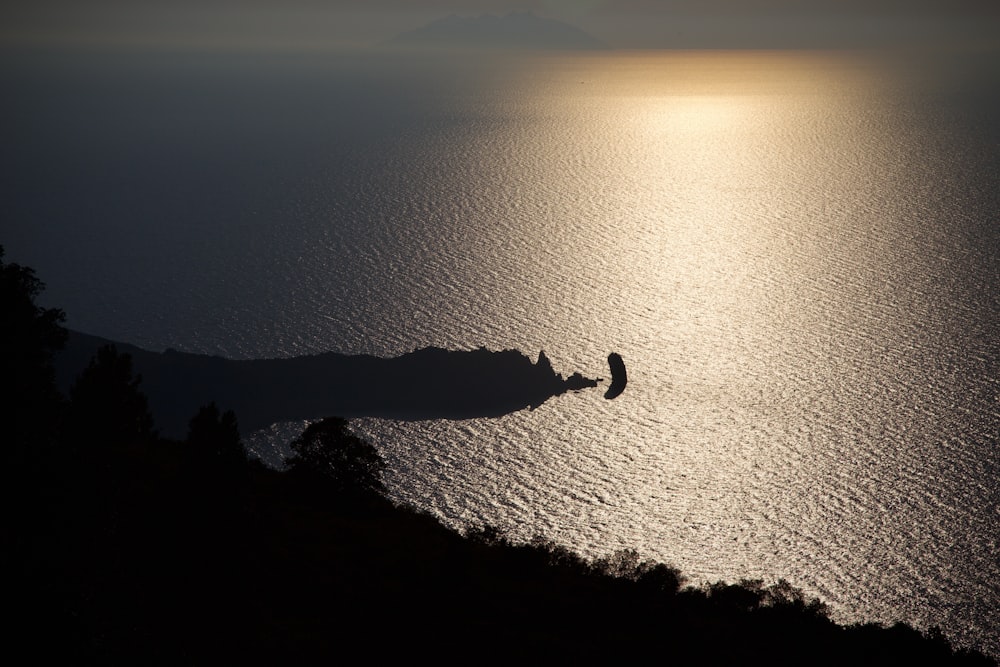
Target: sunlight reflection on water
758, 240
796, 255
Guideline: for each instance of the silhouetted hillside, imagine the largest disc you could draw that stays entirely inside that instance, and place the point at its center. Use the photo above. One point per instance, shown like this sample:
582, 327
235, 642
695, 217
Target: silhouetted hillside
518, 30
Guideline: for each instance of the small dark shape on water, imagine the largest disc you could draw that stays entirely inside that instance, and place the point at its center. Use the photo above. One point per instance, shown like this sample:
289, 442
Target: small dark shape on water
618, 376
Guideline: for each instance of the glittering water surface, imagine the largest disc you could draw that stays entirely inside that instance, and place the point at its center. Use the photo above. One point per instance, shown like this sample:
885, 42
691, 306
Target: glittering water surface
796, 254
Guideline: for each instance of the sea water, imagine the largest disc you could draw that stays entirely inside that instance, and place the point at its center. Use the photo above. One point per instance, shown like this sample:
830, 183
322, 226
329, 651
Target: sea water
796, 254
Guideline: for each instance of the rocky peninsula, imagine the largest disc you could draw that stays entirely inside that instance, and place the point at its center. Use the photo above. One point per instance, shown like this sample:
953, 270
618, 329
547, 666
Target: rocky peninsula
428, 383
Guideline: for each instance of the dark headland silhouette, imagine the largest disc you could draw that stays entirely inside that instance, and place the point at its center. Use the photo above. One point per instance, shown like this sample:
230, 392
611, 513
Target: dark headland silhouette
517, 30
429, 383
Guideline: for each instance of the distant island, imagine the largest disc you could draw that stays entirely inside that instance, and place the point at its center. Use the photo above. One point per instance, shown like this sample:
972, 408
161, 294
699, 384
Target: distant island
517, 30
429, 383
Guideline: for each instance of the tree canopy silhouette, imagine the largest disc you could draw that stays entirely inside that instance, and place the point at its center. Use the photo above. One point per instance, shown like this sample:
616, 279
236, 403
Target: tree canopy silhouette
107, 409
29, 335
343, 463
215, 438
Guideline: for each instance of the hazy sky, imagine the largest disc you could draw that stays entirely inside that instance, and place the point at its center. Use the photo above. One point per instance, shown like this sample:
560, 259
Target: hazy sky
621, 23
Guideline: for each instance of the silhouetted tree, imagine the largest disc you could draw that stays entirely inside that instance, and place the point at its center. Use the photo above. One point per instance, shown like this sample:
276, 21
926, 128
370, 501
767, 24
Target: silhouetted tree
215, 438
29, 335
487, 535
343, 463
652, 577
106, 407
30, 409
783, 595
748, 595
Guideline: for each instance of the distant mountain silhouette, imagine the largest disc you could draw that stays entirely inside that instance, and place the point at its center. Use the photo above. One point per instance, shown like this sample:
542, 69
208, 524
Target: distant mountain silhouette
429, 383
517, 30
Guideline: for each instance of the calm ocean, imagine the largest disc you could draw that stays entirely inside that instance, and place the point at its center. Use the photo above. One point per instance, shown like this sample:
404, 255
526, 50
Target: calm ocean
797, 255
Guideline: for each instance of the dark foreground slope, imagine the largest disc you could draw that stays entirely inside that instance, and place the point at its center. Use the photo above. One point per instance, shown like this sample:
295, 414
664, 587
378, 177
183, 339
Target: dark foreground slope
158, 556
139, 550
